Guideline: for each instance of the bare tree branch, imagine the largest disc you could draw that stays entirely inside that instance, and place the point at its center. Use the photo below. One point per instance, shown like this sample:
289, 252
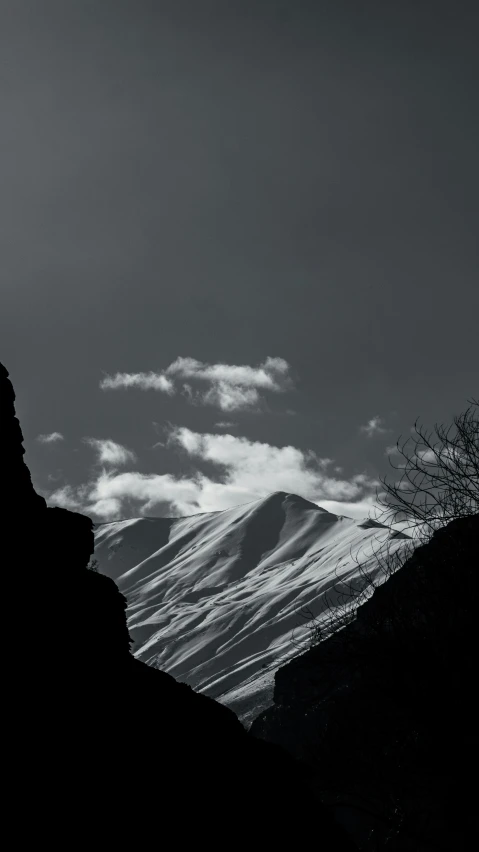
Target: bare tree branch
439, 475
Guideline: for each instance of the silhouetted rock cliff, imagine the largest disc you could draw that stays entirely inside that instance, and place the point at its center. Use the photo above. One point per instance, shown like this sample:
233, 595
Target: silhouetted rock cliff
17, 488
103, 749
385, 711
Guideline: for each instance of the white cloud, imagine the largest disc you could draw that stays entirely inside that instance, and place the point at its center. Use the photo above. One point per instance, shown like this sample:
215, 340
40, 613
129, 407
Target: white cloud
225, 424
272, 374
144, 381
68, 497
374, 427
439, 457
109, 452
429, 456
230, 387
51, 438
359, 509
246, 470
252, 469
231, 397
392, 450
108, 495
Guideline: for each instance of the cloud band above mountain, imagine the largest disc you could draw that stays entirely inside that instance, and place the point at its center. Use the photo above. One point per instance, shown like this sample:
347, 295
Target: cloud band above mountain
246, 470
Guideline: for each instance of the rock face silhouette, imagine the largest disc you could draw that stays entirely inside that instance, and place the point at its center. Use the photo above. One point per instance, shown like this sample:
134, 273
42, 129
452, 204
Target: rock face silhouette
385, 711
17, 485
104, 749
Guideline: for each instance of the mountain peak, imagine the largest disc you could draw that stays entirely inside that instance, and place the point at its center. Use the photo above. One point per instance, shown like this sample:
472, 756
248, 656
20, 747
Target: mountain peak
293, 500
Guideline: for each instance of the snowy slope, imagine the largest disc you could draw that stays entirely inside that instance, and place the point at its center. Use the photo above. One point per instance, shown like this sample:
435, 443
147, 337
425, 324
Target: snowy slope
215, 598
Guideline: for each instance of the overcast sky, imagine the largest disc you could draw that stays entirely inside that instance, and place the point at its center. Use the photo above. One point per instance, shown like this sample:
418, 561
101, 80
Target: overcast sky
238, 243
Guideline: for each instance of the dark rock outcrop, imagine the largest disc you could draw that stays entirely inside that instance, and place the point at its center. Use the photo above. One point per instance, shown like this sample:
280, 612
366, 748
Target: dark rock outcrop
103, 749
385, 711
17, 488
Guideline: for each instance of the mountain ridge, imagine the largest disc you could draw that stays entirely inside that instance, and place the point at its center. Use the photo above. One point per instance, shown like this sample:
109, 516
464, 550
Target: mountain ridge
215, 598
295, 497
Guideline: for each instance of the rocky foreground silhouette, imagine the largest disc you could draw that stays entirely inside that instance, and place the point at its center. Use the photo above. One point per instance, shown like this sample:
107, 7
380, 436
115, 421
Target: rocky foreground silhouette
99, 748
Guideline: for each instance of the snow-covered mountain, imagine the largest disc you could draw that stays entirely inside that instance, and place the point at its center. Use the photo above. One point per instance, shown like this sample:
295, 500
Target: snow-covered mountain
215, 599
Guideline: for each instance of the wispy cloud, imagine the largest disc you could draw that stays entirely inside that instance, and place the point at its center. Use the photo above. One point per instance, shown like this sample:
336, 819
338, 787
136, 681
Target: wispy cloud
229, 387
374, 427
429, 456
391, 450
246, 470
358, 509
269, 375
230, 397
109, 495
144, 381
225, 424
50, 438
110, 453
68, 497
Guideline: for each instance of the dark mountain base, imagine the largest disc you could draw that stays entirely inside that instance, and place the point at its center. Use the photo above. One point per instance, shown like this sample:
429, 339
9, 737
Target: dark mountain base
385, 711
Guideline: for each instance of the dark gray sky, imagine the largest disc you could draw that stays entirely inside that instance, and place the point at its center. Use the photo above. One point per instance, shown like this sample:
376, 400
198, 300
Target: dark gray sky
228, 180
